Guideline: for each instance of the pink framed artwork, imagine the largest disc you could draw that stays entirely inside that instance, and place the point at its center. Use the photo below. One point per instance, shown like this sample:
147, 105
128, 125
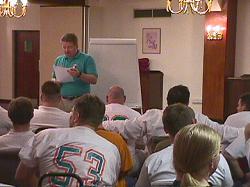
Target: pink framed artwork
151, 40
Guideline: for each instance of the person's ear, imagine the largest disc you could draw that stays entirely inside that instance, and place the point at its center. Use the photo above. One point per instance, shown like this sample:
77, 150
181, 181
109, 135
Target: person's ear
41, 97
125, 98
194, 121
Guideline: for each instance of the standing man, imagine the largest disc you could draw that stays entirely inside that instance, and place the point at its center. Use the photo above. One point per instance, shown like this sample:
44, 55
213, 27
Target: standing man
83, 70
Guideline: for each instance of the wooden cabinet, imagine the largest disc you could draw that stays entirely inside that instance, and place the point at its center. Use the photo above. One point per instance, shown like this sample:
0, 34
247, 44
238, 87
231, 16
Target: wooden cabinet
152, 89
235, 88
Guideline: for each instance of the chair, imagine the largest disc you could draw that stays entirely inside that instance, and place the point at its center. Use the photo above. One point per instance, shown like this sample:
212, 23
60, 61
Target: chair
9, 161
73, 175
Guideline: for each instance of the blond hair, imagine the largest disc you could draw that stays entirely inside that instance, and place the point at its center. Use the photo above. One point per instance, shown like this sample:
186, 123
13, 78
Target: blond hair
195, 146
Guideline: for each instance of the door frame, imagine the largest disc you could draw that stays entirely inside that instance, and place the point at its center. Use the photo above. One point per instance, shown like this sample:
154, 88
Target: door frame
15, 57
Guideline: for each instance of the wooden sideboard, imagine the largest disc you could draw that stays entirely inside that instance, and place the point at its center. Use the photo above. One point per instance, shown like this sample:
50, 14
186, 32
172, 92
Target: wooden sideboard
152, 89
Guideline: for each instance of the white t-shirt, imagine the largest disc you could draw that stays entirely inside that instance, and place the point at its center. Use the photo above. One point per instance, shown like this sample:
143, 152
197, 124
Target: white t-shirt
14, 140
228, 133
5, 123
247, 144
238, 120
237, 149
158, 170
78, 150
49, 116
150, 124
115, 111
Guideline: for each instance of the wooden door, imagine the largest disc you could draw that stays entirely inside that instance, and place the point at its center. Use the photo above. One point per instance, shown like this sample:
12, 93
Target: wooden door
27, 53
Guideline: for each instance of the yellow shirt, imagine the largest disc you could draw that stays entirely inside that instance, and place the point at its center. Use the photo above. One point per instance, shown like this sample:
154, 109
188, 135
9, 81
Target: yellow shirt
126, 160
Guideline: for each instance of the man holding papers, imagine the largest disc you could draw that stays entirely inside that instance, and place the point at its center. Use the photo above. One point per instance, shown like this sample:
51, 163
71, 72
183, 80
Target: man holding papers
74, 70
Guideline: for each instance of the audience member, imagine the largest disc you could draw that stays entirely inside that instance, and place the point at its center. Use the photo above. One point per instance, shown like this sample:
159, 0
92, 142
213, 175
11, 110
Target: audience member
76, 150
48, 114
158, 168
236, 150
196, 155
126, 159
181, 94
20, 113
150, 123
116, 108
242, 117
5, 123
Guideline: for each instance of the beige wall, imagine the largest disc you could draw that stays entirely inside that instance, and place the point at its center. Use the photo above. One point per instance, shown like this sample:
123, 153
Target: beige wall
51, 31
242, 65
30, 22
181, 58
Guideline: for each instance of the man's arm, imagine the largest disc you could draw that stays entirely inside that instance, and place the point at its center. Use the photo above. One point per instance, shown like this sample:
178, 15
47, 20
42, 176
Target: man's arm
89, 78
26, 176
143, 179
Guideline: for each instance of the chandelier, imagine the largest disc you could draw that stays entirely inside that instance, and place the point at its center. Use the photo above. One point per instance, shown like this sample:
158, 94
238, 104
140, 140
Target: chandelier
13, 8
195, 6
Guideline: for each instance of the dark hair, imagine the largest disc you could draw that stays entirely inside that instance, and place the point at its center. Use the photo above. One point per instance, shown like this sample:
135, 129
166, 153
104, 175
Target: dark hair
91, 109
20, 110
177, 116
51, 90
245, 100
178, 94
70, 37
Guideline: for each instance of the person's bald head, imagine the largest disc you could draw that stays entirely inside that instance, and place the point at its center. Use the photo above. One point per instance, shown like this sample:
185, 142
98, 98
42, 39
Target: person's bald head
116, 95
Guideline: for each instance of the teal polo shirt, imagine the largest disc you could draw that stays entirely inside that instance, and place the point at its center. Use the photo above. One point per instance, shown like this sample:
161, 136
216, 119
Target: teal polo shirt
85, 64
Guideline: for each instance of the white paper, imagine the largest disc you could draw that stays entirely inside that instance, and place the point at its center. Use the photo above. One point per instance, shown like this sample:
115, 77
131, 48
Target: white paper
62, 74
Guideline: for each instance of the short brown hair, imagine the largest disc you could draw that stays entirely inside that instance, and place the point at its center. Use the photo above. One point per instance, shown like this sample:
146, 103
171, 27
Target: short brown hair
20, 110
245, 100
51, 90
70, 37
91, 109
177, 116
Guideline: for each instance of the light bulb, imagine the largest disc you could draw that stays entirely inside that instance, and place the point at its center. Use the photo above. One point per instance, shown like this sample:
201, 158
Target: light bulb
13, 2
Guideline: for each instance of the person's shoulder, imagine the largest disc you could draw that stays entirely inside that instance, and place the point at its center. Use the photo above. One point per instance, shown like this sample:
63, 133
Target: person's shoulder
60, 57
84, 55
109, 135
162, 155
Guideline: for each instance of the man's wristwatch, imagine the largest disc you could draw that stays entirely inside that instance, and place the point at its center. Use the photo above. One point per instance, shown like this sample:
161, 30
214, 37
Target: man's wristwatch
80, 73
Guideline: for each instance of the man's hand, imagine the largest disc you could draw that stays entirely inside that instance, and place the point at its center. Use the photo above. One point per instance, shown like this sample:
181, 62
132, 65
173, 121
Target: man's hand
74, 72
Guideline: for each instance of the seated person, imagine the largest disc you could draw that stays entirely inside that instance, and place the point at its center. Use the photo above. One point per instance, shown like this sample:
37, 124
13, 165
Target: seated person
5, 123
76, 150
196, 155
158, 168
48, 114
235, 151
116, 108
126, 159
20, 113
242, 117
246, 140
150, 123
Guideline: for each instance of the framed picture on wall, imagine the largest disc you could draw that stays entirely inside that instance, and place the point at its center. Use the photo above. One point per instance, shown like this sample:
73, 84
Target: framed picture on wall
151, 40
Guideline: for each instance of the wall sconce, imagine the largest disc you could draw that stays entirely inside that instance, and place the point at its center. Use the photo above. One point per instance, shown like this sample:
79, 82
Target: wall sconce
215, 32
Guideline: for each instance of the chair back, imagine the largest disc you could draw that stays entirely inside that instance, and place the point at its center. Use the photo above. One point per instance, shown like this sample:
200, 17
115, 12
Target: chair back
72, 175
9, 161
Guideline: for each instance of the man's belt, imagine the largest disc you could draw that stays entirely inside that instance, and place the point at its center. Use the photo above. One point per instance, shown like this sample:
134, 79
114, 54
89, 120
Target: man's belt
70, 97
